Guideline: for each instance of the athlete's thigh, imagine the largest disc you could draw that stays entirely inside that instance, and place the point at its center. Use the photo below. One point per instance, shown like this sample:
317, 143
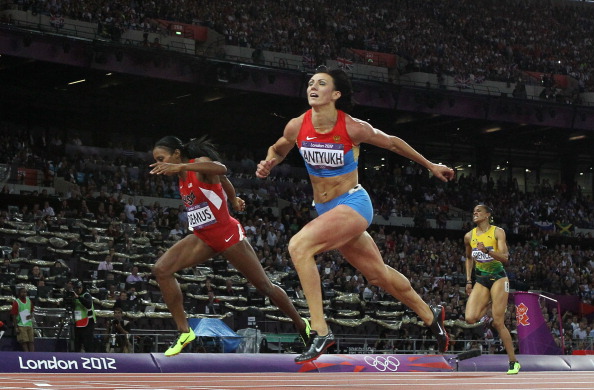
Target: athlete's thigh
331, 230
245, 260
362, 253
478, 300
187, 252
499, 297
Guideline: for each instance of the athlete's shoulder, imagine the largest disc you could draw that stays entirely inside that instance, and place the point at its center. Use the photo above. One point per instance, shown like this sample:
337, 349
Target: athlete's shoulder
352, 121
498, 230
359, 130
295, 123
293, 128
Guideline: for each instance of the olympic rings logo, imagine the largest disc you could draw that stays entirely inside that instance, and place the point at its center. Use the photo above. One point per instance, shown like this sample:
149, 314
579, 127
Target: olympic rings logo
382, 363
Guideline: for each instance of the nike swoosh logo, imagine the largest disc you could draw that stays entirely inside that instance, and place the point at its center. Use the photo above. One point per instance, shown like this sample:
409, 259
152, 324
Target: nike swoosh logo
310, 138
319, 349
184, 340
229, 239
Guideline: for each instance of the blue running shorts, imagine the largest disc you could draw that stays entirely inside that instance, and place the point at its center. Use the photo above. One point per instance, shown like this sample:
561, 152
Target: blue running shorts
356, 198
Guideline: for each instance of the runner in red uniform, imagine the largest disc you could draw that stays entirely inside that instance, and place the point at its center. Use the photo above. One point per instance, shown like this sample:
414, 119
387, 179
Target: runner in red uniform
204, 189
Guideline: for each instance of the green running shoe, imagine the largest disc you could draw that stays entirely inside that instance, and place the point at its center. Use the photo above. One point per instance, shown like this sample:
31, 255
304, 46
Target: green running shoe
304, 334
183, 340
514, 368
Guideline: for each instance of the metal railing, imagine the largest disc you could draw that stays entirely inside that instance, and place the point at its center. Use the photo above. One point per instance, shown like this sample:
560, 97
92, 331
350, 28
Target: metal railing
151, 341
369, 345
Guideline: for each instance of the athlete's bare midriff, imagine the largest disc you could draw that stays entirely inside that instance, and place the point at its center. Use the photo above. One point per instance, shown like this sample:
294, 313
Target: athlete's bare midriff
327, 188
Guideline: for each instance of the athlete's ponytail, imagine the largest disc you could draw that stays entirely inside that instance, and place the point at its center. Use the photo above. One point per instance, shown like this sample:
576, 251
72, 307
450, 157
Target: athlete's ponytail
197, 147
201, 147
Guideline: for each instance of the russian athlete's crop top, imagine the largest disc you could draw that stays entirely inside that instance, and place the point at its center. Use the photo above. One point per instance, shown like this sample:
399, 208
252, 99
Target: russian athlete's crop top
206, 203
483, 261
330, 154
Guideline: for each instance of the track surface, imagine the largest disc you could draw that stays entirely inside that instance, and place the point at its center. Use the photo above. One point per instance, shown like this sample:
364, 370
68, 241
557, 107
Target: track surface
201, 381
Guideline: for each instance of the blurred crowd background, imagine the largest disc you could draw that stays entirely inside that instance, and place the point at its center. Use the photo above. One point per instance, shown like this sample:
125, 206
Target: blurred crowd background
78, 204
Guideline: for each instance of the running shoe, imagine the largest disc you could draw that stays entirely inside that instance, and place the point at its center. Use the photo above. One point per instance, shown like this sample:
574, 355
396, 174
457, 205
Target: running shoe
304, 334
514, 368
438, 328
317, 345
183, 340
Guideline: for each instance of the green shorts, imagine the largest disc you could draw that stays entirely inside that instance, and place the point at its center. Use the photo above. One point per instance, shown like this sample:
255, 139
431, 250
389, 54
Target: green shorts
488, 279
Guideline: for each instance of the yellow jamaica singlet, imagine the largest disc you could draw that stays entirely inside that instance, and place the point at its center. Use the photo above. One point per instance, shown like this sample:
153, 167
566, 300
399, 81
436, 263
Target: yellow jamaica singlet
483, 261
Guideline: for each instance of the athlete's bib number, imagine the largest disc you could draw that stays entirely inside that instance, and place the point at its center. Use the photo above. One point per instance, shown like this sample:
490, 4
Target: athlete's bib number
200, 216
481, 257
323, 155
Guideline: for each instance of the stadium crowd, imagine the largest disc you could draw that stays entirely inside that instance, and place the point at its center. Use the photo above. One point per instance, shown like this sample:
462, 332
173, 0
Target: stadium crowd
107, 189
397, 191
487, 40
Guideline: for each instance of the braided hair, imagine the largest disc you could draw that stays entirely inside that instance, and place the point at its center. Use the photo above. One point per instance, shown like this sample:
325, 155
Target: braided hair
196, 147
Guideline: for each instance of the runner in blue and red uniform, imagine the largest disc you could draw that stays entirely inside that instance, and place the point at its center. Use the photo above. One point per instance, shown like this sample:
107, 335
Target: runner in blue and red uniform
204, 189
329, 139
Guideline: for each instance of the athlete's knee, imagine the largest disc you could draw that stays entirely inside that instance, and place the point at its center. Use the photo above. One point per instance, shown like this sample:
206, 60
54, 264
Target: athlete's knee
157, 271
161, 271
471, 318
298, 249
498, 323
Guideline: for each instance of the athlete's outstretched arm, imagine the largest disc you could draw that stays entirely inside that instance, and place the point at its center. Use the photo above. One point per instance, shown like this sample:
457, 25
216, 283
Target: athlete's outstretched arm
279, 150
362, 132
203, 166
